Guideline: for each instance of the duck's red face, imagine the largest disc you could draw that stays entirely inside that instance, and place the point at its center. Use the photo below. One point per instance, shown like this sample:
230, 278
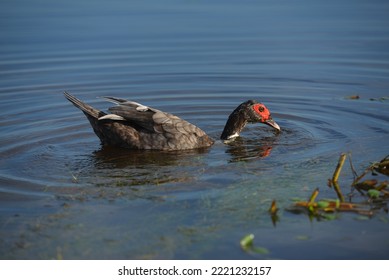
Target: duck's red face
264, 115
261, 110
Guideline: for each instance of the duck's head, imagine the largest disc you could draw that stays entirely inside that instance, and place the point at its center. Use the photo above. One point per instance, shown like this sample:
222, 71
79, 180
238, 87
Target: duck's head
250, 111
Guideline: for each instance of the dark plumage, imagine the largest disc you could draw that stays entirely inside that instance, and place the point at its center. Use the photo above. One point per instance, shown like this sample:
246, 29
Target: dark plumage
135, 126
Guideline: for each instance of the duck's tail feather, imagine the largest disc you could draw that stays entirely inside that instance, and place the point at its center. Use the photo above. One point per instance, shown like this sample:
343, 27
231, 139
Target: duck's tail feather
87, 109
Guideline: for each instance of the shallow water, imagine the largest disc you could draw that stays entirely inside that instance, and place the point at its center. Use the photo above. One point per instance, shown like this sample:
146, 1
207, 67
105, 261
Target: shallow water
63, 195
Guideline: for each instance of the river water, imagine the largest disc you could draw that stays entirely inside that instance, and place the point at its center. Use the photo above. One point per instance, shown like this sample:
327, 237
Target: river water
63, 195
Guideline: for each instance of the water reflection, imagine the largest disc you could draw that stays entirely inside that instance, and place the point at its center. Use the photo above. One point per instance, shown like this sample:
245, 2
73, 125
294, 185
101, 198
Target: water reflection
122, 167
301, 67
245, 149
114, 157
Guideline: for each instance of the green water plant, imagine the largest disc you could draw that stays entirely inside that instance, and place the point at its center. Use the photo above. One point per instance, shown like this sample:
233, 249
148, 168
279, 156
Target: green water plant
376, 193
247, 245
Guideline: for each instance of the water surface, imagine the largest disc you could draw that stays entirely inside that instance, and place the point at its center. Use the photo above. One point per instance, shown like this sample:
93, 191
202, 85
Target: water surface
63, 195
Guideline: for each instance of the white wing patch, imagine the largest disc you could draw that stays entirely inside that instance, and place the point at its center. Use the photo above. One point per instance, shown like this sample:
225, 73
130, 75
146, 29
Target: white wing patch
236, 134
142, 108
112, 117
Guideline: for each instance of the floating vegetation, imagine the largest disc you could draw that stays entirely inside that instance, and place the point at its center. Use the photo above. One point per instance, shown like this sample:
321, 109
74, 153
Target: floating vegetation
357, 96
382, 166
373, 197
273, 212
384, 98
247, 245
373, 194
352, 97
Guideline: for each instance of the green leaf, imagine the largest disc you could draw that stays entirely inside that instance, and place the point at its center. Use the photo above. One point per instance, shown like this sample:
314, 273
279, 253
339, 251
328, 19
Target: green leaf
373, 193
247, 241
247, 244
323, 204
337, 205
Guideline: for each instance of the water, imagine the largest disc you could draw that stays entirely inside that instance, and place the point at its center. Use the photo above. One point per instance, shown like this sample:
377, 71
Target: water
63, 195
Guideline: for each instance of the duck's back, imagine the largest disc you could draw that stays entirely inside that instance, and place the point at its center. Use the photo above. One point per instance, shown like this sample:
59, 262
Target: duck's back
135, 126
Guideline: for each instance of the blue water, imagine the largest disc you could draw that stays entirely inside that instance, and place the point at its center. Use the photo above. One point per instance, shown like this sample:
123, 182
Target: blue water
63, 195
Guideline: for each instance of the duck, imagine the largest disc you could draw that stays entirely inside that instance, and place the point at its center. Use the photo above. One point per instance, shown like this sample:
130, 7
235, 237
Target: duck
132, 125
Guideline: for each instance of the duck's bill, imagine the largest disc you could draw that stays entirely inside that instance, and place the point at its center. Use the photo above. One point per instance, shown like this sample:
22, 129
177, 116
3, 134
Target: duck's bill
273, 124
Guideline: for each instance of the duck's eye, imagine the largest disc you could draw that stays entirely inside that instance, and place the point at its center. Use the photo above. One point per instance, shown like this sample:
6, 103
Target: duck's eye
261, 109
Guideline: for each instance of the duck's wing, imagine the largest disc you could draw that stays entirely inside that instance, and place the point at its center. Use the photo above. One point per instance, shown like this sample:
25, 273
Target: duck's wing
150, 119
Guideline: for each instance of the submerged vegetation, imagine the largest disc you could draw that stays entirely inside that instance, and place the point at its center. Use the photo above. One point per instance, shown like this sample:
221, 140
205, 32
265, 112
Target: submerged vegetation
372, 195
368, 194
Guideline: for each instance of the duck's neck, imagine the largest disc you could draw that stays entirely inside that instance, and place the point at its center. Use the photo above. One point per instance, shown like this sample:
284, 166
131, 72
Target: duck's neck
234, 125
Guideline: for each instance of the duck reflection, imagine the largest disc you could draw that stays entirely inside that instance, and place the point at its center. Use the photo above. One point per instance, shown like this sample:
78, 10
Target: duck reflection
246, 149
121, 158
122, 167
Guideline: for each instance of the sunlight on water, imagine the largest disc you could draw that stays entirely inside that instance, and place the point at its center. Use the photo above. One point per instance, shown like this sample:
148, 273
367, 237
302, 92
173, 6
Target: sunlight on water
197, 60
